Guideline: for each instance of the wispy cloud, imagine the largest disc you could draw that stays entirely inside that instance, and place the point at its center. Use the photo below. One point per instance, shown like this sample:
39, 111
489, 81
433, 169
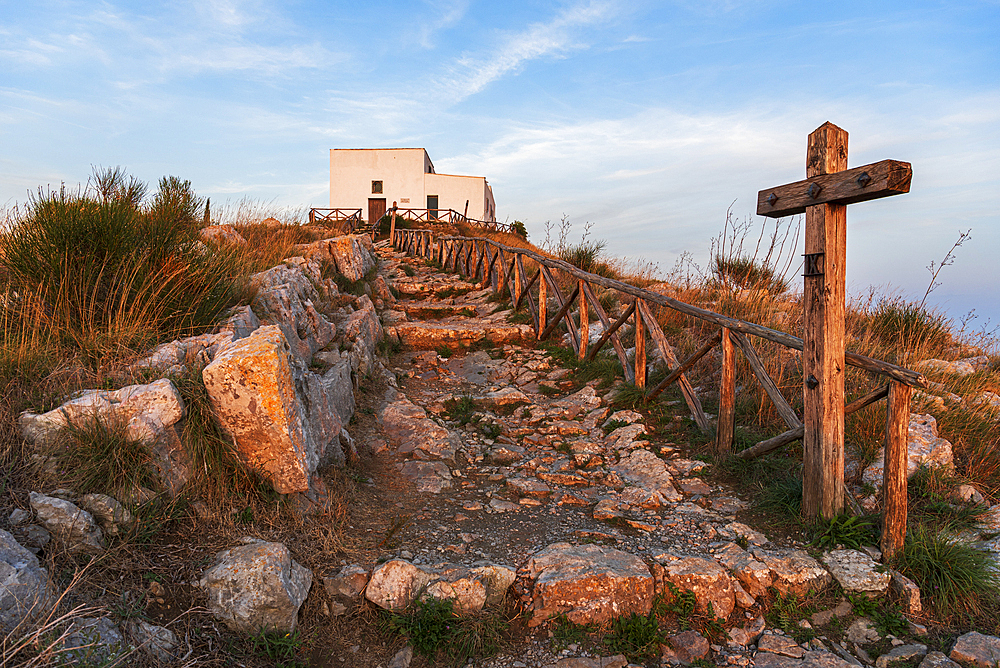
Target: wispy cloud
472, 74
449, 13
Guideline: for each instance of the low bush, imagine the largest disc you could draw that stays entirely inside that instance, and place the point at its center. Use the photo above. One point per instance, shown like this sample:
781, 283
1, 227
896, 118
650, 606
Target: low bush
433, 626
747, 273
896, 322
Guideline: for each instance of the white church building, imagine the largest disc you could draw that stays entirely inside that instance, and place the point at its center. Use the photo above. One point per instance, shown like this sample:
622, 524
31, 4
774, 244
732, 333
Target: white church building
372, 179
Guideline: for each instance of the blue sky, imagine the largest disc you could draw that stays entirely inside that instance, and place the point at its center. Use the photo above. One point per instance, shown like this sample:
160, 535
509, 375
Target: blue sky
648, 119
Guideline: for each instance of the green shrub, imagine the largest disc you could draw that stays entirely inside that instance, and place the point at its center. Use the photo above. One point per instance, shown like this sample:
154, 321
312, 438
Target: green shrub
433, 626
518, 228
100, 458
846, 530
955, 576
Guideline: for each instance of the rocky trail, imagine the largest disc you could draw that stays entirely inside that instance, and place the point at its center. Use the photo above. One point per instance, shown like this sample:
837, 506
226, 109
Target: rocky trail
483, 472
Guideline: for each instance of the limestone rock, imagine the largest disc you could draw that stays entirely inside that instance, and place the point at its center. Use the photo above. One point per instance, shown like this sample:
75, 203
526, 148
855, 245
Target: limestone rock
960, 368
397, 583
412, 433
352, 254
793, 571
363, 330
589, 583
23, 583
924, 446
91, 641
754, 575
708, 581
158, 641
976, 650
431, 477
222, 234
646, 470
899, 655
286, 295
937, 660
783, 645
862, 632
856, 571
687, 647
256, 586
112, 516
70, 525
284, 419
907, 591
347, 583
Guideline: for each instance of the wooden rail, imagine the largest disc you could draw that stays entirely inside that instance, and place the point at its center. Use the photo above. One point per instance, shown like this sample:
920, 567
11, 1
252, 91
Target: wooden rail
502, 267
345, 220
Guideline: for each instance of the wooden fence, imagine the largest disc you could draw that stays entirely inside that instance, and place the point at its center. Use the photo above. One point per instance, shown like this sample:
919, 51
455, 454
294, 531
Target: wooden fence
502, 268
346, 221
349, 221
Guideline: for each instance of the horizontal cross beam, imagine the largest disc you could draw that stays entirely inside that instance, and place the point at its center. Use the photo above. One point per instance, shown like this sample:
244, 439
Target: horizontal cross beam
879, 179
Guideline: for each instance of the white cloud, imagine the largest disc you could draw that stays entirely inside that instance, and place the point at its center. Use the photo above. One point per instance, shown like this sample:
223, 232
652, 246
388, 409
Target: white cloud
450, 13
472, 74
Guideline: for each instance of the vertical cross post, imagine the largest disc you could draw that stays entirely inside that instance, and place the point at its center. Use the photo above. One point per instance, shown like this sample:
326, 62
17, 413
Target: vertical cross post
823, 349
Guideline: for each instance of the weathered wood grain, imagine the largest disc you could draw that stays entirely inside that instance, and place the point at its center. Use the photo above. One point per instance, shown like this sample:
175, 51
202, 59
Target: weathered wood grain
726, 422
885, 179
894, 477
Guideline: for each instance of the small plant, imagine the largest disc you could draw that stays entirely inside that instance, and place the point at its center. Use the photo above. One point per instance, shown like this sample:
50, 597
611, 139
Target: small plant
787, 611
846, 530
461, 410
517, 227
519, 318
388, 346
407, 269
444, 352
277, 646
886, 616
782, 496
611, 425
636, 636
433, 626
746, 273
566, 633
676, 602
896, 322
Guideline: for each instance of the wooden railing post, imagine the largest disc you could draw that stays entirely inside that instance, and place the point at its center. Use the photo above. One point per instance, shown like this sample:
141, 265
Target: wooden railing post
584, 320
543, 305
897, 427
640, 347
726, 425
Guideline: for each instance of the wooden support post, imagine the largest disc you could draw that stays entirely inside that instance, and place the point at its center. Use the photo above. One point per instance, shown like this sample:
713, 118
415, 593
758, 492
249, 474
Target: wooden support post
516, 295
543, 306
726, 424
823, 347
640, 348
584, 319
897, 428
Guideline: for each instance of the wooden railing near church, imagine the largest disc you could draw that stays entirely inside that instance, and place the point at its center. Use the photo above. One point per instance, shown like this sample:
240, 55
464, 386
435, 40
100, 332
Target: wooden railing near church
349, 221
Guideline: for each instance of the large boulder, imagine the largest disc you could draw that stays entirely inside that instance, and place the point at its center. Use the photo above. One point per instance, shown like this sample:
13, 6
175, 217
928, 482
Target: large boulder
286, 296
924, 446
72, 526
710, 583
147, 414
285, 419
352, 255
363, 330
256, 586
588, 583
23, 583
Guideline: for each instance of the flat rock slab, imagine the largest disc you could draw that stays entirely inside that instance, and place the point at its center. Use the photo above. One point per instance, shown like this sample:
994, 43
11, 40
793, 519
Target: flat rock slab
976, 649
793, 571
413, 434
430, 477
646, 470
855, 571
707, 580
462, 334
590, 584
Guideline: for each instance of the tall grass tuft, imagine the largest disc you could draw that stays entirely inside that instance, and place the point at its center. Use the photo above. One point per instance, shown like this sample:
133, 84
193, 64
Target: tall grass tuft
897, 322
955, 576
101, 272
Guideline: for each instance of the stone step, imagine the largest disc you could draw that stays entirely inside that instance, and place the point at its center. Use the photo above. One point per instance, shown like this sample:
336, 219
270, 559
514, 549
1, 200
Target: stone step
463, 333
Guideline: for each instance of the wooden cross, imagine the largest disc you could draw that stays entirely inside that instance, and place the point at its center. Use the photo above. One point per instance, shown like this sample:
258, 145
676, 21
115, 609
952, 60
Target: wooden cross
823, 197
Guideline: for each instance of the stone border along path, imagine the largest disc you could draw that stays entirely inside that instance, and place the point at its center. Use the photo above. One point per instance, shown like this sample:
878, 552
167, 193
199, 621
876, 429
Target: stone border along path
587, 521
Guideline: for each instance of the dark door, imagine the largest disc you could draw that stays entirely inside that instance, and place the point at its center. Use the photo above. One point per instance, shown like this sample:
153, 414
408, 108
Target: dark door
432, 205
376, 209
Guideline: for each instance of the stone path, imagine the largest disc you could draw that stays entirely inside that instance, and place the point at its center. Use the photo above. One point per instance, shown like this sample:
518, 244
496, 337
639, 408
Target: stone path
595, 515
